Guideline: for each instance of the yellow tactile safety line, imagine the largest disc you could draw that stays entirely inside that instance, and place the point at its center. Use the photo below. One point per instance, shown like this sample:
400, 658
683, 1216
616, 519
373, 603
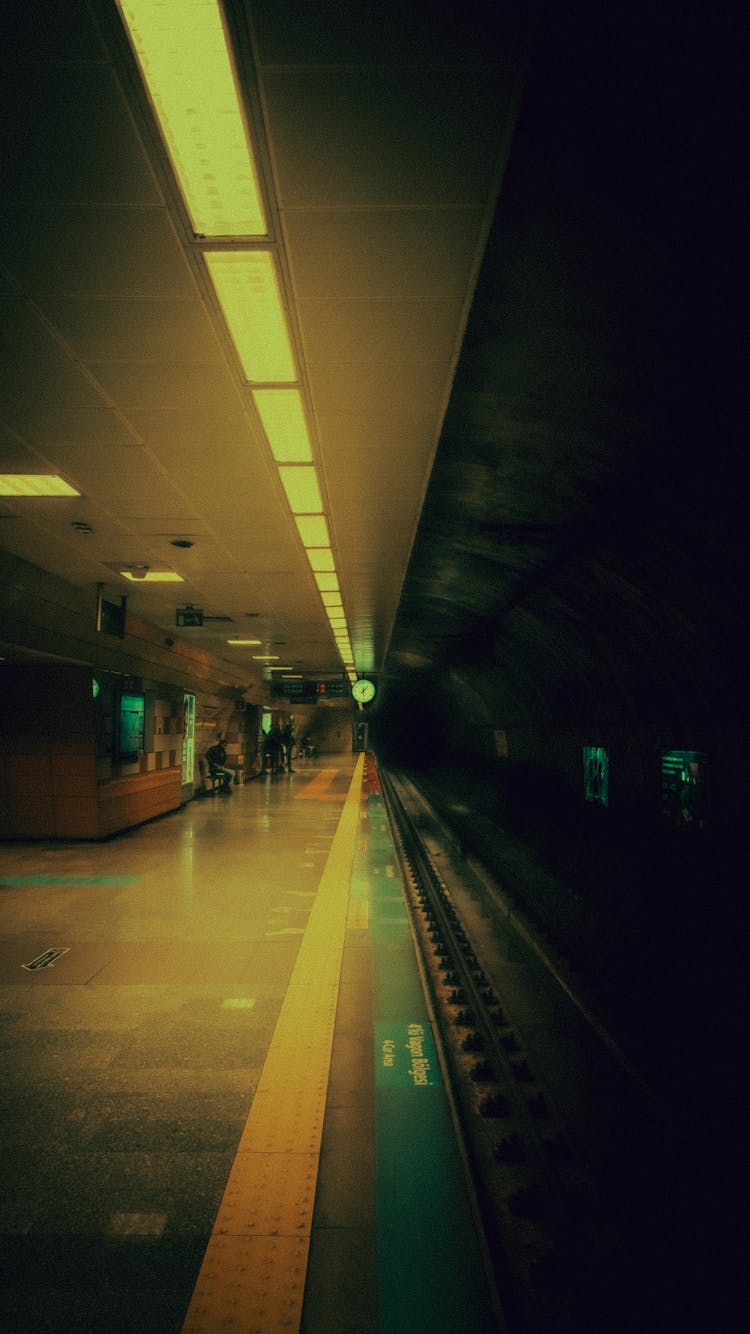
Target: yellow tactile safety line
252, 1279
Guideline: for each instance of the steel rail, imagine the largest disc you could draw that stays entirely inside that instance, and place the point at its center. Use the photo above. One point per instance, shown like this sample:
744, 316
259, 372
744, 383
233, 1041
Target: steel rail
532, 1196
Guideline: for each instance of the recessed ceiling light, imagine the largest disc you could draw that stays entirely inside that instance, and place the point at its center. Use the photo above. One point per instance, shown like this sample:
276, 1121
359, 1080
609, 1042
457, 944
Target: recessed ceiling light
34, 484
284, 423
266, 657
313, 530
153, 576
302, 490
187, 67
248, 289
240, 642
327, 583
321, 559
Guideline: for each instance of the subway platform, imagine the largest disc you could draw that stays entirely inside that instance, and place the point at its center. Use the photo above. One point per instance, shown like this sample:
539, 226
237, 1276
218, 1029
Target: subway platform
222, 1108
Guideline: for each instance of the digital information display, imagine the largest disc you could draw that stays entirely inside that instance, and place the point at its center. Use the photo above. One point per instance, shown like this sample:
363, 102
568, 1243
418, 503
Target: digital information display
302, 688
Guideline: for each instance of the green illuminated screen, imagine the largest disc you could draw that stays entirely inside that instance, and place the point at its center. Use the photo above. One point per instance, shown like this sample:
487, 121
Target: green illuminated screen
683, 787
596, 775
131, 726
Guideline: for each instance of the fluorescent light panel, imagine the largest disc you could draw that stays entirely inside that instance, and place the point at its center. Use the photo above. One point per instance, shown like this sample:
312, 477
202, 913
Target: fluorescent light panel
153, 577
321, 559
284, 423
327, 583
302, 490
312, 529
332, 600
186, 63
247, 286
241, 642
34, 484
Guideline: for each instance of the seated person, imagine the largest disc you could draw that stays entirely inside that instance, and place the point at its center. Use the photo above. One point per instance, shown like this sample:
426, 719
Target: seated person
216, 758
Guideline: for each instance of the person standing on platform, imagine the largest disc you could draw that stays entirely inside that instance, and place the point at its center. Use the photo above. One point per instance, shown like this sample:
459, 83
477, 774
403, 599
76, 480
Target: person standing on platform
287, 737
273, 750
216, 758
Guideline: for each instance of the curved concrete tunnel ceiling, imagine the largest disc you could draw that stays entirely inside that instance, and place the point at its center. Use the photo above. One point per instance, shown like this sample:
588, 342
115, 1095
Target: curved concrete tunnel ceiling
135, 369
583, 540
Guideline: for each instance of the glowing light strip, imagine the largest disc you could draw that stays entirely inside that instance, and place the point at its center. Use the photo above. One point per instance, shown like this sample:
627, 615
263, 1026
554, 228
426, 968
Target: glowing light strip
321, 560
35, 484
313, 529
153, 577
187, 67
247, 286
327, 583
302, 490
283, 419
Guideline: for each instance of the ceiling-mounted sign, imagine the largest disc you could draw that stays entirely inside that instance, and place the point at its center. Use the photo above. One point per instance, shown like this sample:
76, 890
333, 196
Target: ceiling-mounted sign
189, 616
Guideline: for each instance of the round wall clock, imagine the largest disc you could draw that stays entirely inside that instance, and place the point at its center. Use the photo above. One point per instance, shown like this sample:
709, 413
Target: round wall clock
363, 691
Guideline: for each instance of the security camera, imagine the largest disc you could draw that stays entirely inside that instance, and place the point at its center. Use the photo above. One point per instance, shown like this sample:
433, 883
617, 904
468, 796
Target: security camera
139, 571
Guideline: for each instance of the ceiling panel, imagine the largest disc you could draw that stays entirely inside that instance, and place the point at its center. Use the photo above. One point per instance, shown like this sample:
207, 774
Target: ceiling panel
183, 436
347, 434
404, 253
379, 330
165, 330
51, 161
94, 251
165, 384
392, 386
29, 33
387, 31
384, 136
86, 428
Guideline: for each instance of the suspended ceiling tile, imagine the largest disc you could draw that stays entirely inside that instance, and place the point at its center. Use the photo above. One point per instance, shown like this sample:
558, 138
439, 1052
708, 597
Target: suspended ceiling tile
75, 142
239, 499
162, 330
67, 251
94, 428
46, 383
30, 32
23, 329
149, 384
139, 500
87, 463
422, 385
178, 522
195, 465
404, 254
205, 432
402, 454
383, 135
348, 435
321, 33
380, 330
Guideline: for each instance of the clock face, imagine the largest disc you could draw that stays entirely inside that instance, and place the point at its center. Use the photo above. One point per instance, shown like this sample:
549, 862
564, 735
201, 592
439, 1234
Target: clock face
363, 691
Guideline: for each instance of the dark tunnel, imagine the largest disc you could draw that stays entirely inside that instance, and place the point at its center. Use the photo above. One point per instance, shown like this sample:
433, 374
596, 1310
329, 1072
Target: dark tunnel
573, 589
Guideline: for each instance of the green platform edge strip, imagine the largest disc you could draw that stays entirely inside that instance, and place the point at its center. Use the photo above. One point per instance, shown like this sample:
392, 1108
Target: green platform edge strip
430, 1271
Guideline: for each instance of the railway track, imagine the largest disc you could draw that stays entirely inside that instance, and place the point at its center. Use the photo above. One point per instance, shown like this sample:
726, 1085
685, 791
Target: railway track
554, 1250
